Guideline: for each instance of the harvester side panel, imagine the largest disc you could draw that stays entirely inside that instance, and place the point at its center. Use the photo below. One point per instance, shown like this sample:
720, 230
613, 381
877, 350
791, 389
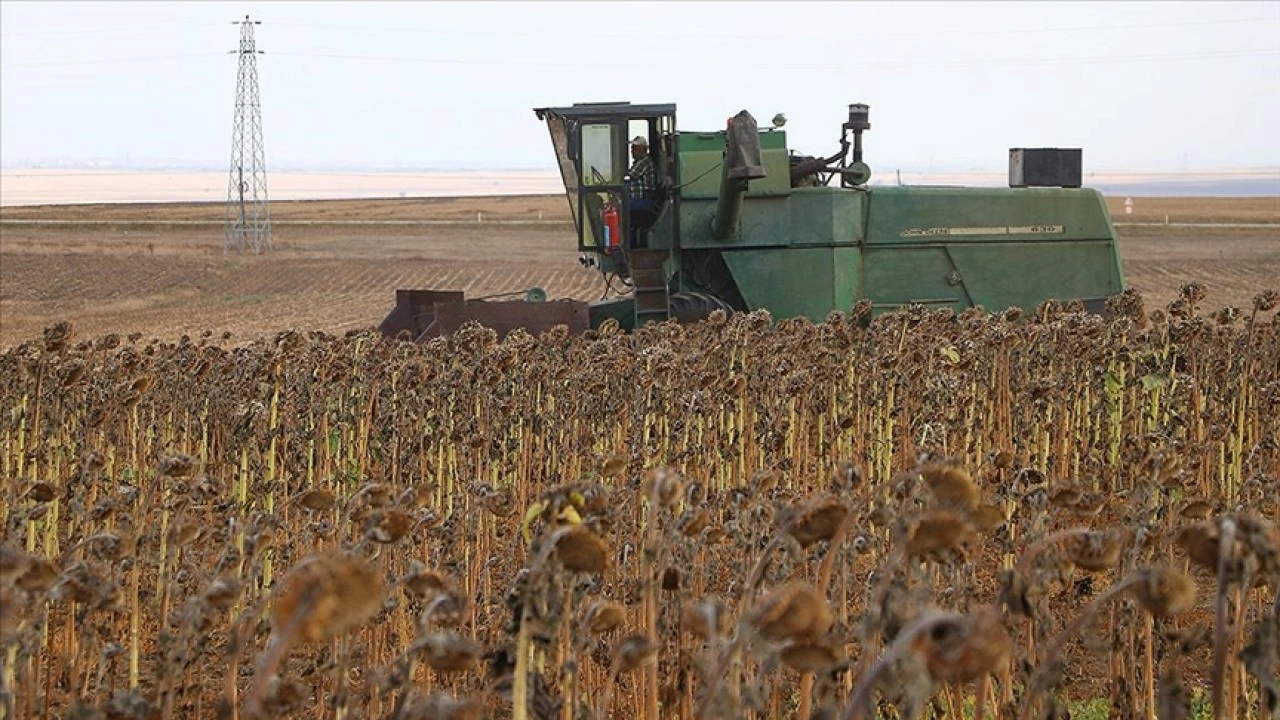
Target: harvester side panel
827, 216
896, 276
909, 215
1001, 247
700, 155
796, 281
1002, 276
765, 222
943, 247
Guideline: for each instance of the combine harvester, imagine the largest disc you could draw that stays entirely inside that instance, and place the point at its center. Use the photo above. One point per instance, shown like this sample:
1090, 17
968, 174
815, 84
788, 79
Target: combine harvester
740, 223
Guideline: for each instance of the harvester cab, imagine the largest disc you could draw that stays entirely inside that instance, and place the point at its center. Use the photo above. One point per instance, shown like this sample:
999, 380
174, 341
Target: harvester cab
687, 223
628, 216
599, 147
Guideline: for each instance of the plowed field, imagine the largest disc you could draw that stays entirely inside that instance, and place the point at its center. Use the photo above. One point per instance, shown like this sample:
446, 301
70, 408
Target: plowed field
117, 270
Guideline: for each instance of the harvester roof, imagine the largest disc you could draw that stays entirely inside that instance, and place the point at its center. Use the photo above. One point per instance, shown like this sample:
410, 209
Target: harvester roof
610, 108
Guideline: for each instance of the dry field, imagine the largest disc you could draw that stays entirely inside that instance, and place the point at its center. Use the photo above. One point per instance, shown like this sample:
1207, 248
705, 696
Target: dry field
165, 281
924, 515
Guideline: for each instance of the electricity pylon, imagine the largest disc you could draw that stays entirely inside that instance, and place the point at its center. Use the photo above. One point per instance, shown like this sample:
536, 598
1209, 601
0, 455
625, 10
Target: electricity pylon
248, 215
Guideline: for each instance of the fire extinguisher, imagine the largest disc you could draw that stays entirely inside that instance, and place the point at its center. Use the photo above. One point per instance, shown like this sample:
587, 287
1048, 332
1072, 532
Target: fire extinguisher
609, 218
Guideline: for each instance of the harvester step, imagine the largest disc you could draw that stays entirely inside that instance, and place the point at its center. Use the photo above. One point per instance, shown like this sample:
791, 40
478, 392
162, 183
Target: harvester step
649, 281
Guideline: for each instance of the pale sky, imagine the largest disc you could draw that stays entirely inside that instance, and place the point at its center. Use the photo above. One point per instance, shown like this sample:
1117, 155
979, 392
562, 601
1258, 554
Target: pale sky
1143, 86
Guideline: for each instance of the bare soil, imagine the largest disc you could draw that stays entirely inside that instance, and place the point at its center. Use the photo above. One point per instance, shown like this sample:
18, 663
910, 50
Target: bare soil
115, 274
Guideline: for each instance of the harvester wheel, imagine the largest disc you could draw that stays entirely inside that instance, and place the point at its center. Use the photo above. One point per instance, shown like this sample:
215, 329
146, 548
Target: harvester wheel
691, 307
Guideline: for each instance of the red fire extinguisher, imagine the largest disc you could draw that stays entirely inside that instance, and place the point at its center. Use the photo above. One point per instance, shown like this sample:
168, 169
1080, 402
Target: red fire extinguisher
609, 217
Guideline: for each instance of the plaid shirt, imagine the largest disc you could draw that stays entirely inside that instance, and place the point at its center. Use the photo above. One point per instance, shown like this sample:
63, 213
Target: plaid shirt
644, 179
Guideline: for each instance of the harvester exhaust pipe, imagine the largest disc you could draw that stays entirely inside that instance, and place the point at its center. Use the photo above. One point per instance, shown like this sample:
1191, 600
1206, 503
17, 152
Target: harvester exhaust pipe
741, 164
859, 120
856, 172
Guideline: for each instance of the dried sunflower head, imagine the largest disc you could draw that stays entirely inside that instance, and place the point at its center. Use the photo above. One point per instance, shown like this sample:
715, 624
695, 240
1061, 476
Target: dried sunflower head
817, 519
811, 655
389, 525
705, 619
967, 648
448, 608
634, 652
1095, 551
664, 485
178, 465
423, 583
936, 532
316, 500
603, 616
951, 486
581, 550
447, 652
789, 612
325, 596
1164, 592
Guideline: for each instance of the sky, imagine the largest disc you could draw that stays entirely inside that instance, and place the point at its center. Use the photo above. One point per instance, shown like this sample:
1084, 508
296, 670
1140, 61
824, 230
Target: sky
1180, 87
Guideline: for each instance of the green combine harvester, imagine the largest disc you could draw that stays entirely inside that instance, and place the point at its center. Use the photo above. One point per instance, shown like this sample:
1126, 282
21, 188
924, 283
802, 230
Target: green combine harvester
738, 223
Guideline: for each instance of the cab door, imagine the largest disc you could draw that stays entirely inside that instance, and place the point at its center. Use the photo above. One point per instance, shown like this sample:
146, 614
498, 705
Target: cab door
602, 165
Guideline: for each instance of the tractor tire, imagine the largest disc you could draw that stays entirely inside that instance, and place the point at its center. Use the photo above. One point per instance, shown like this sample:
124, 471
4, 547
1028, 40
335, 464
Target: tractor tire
690, 307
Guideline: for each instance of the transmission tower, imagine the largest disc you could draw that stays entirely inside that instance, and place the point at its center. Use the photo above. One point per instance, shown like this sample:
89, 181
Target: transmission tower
248, 215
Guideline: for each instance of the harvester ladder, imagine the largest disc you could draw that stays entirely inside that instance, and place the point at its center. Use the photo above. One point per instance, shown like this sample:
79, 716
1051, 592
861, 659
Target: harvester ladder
650, 285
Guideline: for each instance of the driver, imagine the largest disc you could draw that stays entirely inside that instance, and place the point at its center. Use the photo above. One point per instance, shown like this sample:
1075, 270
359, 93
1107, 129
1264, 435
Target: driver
642, 188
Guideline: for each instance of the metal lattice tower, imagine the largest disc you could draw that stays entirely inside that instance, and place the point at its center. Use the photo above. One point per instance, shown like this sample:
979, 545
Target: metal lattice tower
248, 215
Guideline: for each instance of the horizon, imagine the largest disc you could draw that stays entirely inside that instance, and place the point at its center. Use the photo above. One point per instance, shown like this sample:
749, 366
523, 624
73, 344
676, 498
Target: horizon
180, 165
54, 186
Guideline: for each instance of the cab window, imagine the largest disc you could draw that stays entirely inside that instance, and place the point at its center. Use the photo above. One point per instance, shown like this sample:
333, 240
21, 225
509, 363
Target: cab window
599, 143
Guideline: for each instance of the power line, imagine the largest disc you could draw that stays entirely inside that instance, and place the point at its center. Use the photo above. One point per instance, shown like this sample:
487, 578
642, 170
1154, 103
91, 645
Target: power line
931, 64
103, 61
862, 63
1223, 55
456, 31
111, 31
432, 61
